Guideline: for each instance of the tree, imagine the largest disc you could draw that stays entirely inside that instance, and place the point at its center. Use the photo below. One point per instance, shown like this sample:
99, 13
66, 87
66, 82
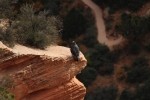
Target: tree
87, 76
132, 5
139, 71
143, 91
74, 24
101, 59
106, 93
53, 6
126, 95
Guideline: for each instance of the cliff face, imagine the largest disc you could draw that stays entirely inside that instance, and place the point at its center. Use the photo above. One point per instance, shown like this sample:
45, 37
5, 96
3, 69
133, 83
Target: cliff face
42, 74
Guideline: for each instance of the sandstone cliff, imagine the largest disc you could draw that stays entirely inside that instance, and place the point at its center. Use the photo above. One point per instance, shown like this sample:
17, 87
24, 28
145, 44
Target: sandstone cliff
42, 74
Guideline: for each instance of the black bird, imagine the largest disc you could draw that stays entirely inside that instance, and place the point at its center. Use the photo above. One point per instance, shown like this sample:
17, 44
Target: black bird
75, 50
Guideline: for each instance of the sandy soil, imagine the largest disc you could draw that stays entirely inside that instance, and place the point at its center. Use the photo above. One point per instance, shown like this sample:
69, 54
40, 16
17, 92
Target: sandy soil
52, 51
102, 37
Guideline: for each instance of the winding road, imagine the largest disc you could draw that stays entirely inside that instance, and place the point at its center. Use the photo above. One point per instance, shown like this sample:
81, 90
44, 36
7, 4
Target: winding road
101, 26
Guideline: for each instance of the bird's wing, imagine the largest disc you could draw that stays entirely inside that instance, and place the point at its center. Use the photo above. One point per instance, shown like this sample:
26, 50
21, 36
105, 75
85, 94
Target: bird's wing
76, 51
73, 51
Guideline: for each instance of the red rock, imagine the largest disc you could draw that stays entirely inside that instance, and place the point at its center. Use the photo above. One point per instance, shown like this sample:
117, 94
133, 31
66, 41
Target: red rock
42, 74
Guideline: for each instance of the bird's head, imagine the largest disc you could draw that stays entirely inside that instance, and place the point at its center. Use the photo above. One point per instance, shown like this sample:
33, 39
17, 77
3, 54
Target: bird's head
73, 42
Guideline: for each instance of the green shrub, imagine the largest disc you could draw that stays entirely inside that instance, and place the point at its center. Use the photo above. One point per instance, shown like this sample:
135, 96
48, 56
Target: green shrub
106, 93
74, 24
109, 23
147, 47
53, 6
101, 59
32, 30
90, 39
134, 48
133, 27
143, 91
36, 30
5, 95
132, 5
97, 56
107, 69
126, 95
6, 9
87, 76
139, 71
7, 37
5, 83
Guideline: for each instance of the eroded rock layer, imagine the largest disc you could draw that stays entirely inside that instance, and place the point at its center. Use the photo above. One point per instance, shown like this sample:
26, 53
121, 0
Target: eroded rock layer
42, 74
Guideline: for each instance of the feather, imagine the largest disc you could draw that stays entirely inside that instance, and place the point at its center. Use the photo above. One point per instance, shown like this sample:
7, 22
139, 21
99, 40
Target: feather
74, 51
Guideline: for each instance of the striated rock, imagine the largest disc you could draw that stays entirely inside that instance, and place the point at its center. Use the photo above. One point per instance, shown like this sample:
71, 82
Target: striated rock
72, 90
42, 74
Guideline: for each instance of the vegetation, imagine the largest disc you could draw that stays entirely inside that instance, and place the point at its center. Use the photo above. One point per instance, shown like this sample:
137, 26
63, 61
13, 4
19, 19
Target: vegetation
32, 30
7, 37
6, 9
107, 93
6, 83
36, 30
53, 6
132, 5
87, 76
100, 62
74, 24
126, 95
101, 59
133, 27
143, 91
139, 71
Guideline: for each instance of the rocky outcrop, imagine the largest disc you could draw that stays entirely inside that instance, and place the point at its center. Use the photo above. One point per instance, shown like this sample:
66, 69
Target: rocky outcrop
42, 74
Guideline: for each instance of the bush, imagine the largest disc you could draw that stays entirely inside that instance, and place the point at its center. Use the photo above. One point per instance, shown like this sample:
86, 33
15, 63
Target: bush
90, 38
36, 30
6, 83
126, 95
133, 27
139, 71
107, 69
106, 93
53, 6
7, 37
6, 9
134, 48
147, 47
109, 23
87, 76
101, 59
5, 95
132, 5
33, 30
121, 73
74, 24
143, 91
97, 56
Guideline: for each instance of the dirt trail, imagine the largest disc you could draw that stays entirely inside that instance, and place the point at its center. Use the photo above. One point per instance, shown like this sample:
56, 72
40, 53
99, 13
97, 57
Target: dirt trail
101, 26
